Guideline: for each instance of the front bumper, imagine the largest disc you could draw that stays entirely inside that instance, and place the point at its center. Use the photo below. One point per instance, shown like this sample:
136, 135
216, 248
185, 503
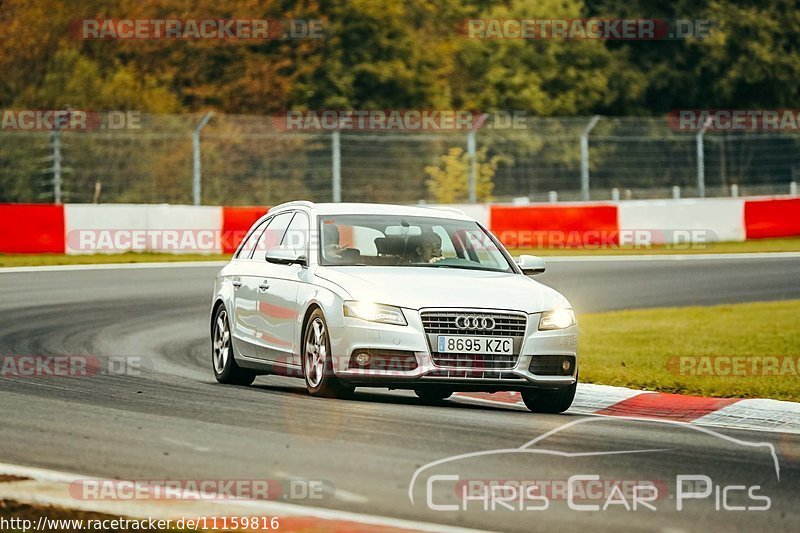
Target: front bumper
356, 334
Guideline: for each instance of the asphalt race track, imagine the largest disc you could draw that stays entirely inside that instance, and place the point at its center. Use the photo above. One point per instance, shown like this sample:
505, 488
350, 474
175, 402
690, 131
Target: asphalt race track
174, 421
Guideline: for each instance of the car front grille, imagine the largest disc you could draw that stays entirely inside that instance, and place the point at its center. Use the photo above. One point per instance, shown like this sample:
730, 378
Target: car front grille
472, 374
474, 361
444, 323
476, 365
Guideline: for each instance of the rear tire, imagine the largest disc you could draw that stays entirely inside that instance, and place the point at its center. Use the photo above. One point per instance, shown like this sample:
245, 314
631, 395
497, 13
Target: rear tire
552, 402
318, 361
222, 359
433, 394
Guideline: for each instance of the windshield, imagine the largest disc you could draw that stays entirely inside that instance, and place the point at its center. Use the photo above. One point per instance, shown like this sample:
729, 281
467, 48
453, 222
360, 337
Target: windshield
409, 241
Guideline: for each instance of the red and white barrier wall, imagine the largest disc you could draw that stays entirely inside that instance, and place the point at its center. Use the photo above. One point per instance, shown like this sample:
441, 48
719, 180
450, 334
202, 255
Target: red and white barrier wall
31, 228
119, 228
141, 228
645, 222
115, 228
671, 220
772, 218
533, 226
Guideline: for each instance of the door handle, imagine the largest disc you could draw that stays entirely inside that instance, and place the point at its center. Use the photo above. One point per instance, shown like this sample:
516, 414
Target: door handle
264, 286
236, 284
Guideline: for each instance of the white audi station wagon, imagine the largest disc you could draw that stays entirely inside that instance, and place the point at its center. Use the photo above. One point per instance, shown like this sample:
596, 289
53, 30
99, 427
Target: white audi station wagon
352, 295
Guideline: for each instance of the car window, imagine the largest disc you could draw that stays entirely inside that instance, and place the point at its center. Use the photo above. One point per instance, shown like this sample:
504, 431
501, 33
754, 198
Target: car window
273, 235
414, 241
355, 237
448, 249
479, 247
250, 241
296, 237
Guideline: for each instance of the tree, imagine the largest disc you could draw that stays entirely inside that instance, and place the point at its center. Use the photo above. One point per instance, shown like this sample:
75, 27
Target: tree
449, 182
545, 77
749, 60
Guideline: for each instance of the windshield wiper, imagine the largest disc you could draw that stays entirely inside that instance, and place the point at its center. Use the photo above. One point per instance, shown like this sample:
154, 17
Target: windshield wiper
464, 267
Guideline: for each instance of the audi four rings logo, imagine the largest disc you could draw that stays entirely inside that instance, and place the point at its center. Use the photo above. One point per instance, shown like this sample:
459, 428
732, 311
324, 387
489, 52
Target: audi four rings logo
475, 322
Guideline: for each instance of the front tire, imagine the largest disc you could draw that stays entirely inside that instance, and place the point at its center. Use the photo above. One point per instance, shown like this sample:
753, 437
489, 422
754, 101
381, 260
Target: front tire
552, 402
222, 360
318, 361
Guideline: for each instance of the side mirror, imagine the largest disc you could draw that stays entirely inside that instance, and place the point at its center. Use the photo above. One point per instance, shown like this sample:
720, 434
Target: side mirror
531, 264
285, 256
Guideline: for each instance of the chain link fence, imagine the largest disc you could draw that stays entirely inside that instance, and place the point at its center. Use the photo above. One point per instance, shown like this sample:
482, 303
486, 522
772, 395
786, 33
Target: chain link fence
247, 160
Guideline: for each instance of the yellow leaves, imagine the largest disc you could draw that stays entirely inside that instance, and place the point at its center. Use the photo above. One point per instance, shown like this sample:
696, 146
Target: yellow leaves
73, 80
449, 181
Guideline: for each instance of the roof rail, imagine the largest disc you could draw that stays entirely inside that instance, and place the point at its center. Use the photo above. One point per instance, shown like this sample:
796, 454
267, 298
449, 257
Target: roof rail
443, 208
303, 203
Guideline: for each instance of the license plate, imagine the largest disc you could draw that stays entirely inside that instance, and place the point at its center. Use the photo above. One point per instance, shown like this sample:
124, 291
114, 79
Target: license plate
481, 345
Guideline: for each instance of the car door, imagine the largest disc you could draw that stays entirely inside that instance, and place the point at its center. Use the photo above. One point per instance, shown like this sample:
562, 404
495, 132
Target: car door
254, 271
270, 298
280, 301
244, 298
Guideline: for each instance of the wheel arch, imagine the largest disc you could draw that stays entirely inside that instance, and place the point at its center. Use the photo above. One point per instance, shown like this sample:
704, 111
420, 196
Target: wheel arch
217, 304
311, 298
309, 310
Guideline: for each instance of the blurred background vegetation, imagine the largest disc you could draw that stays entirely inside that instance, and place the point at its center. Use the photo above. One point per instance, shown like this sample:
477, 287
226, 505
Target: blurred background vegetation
387, 54
377, 54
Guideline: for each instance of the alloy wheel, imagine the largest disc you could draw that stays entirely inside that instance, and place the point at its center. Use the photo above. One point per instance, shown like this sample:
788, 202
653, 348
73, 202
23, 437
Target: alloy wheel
316, 352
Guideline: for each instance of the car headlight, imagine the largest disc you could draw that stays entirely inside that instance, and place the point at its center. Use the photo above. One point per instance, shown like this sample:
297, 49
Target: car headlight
385, 314
557, 319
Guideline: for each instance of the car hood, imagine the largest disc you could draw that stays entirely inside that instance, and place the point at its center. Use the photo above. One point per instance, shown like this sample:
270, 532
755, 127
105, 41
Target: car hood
419, 287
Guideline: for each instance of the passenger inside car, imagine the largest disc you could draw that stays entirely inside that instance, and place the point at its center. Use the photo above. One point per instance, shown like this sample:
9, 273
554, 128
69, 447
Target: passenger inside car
332, 250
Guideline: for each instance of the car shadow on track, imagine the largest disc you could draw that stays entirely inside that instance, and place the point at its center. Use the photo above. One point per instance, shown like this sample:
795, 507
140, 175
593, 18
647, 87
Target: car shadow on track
394, 397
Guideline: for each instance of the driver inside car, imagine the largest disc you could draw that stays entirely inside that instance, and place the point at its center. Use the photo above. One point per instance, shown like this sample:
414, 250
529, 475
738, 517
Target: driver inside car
428, 249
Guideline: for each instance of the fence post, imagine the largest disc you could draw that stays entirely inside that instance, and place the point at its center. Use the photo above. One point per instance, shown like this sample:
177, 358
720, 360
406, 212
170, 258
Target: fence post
472, 151
701, 160
56, 140
793, 188
336, 157
196, 185
585, 157
62, 120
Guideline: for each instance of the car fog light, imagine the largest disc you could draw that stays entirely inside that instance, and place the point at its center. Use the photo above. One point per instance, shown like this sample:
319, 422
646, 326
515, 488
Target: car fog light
362, 358
566, 365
